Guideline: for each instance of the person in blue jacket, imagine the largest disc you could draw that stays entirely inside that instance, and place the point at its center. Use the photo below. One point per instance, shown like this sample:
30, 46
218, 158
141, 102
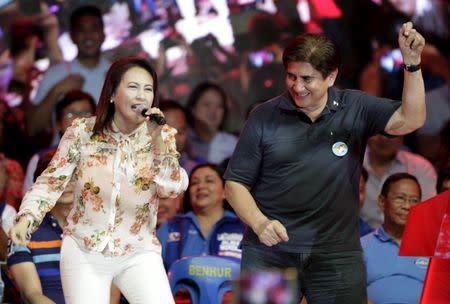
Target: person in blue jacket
206, 227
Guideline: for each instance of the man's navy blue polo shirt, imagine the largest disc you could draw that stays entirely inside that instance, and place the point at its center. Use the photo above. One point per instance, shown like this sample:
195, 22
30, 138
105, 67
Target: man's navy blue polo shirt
298, 178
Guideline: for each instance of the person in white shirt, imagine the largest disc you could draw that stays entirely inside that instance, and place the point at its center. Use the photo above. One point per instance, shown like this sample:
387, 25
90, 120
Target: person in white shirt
121, 163
86, 72
207, 111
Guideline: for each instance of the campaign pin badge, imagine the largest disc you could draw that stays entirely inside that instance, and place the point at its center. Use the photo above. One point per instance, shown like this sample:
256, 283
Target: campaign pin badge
339, 148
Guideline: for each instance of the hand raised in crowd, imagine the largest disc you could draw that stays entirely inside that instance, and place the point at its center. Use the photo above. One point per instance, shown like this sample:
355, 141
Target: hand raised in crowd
71, 82
411, 44
271, 232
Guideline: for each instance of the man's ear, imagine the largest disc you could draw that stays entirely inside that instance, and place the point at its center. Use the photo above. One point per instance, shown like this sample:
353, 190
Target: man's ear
381, 202
332, 77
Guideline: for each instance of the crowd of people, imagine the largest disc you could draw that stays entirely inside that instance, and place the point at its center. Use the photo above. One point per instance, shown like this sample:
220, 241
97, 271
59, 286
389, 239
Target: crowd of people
310, 162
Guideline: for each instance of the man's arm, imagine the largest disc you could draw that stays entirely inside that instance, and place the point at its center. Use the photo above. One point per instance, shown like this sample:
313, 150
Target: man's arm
28, 283
411, 114
270, 232
39, 117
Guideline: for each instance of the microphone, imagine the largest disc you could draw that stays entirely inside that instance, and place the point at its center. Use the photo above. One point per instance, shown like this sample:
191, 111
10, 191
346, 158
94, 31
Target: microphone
156, 118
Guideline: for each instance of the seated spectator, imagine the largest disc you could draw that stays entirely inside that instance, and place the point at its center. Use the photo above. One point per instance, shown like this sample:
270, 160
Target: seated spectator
391, 278
35, 268
364, 228
74, 104
383, 158
176, 117
207, 107
168, 208
443, 182
207, 228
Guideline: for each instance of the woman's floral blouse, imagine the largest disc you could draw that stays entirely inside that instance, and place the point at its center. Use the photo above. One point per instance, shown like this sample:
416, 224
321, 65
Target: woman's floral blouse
118, 181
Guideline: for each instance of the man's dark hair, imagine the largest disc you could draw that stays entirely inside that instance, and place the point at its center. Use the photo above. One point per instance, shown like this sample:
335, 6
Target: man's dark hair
395, 178
85, 10
69, 98
170, 104
43, 162
316, 49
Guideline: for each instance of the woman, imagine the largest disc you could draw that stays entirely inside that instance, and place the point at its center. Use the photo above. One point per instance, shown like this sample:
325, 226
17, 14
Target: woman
121, 163
207, 228
207, 106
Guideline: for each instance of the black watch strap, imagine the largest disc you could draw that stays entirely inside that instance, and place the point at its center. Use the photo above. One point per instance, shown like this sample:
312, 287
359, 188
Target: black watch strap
412, 67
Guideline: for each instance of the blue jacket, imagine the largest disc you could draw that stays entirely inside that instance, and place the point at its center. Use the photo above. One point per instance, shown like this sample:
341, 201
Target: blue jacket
181, 237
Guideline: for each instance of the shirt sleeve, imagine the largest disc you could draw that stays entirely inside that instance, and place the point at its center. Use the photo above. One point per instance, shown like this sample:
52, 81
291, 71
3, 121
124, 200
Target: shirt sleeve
377, 112
171, 179
244, 165
19, 254
49, 186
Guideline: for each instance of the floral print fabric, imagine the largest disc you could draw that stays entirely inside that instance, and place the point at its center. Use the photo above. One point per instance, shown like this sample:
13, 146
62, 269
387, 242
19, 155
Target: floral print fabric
118, 181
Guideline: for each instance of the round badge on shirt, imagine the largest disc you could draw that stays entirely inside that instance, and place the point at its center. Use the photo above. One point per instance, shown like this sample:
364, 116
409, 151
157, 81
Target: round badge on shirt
339, 148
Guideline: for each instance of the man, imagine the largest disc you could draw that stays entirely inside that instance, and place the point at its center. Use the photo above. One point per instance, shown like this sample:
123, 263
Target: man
74, 104
385, 157
35, 268
86, 72
176, 117
392, 278
294, 175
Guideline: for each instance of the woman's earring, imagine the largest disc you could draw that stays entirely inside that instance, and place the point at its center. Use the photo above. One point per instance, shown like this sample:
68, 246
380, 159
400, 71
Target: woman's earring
111, 100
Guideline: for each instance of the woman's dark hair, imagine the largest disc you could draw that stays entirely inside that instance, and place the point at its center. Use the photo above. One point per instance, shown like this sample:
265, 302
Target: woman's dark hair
395, 178
71, 97
219, 170
106, 108
316, 49
198, 92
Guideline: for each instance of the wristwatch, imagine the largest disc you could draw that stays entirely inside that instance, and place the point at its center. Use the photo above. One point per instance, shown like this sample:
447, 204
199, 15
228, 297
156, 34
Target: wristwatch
411, 67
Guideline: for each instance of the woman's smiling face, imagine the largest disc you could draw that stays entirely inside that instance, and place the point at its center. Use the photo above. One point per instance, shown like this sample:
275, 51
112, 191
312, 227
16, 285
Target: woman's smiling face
206, 189
135, 88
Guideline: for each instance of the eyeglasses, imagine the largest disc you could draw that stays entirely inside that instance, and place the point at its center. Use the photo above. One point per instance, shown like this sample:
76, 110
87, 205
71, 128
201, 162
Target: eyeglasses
402, 199
77, 114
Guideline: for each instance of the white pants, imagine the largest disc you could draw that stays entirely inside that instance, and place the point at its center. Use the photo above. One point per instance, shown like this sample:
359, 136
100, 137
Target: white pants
86, 277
